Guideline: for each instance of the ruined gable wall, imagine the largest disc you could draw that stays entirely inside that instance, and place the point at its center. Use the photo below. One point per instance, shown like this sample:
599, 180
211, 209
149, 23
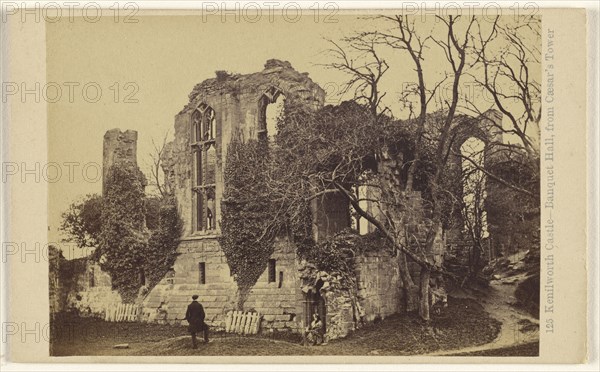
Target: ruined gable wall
235, 101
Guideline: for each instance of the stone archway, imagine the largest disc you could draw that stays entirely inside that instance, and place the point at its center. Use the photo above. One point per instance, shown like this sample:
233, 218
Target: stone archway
315, 304
479, 139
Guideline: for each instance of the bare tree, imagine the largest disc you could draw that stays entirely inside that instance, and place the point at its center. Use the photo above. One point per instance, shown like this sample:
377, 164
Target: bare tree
365, 69
364, 78
508, 58
404, 37
455, 47
334, 150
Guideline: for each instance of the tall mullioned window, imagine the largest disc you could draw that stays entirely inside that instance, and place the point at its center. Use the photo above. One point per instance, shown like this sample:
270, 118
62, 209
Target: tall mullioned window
205, 167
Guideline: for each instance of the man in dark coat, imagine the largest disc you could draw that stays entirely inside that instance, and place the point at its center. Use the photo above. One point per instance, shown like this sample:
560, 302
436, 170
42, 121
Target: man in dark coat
195, 317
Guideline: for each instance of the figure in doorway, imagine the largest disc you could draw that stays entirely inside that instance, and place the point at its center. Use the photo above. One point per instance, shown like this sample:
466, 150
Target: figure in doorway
314, 332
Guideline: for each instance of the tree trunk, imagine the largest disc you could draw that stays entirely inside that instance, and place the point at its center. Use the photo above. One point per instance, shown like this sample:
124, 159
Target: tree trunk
424, 293
475, 260
241, 296
426, 270
410, 290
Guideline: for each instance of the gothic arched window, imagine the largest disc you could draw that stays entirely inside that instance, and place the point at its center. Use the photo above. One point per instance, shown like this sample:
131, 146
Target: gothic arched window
205, 167
270, 110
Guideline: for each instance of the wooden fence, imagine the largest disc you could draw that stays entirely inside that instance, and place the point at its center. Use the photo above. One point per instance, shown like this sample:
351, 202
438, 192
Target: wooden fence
242, 323
120, 312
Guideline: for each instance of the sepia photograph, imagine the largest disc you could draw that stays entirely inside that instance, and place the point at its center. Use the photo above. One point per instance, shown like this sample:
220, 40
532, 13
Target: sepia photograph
323, 183
327, 185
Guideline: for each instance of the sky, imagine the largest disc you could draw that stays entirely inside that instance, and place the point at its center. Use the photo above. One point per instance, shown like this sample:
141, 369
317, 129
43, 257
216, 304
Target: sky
146, 70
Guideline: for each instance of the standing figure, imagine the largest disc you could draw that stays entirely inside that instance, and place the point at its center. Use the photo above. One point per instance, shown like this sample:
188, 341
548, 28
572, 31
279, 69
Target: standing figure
195, 317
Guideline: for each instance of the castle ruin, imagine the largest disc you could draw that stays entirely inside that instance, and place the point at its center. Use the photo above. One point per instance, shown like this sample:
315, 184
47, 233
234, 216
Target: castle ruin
231, 105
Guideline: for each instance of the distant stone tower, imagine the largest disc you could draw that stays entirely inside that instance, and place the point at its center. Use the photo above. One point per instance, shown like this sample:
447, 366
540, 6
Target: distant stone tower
119, 147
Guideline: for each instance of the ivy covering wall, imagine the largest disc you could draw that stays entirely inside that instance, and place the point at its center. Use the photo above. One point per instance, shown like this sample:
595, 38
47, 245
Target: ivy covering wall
132, 254
247, 227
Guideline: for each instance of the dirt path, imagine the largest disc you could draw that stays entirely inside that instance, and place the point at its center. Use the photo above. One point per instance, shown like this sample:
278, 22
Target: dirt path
517, 328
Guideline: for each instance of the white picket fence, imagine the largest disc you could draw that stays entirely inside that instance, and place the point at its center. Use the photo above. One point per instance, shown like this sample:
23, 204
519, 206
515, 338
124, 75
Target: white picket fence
120, 312
242, 323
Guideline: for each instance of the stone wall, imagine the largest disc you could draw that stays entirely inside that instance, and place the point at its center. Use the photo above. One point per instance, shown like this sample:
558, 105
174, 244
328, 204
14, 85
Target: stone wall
279, 302
90, 290
376, 295
282, 300
379, 288
79, 285
168, 300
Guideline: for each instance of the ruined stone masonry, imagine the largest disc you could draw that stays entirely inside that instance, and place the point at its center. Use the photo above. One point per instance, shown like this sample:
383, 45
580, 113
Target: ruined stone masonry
220, 108
80, 284
118, 147
238, 105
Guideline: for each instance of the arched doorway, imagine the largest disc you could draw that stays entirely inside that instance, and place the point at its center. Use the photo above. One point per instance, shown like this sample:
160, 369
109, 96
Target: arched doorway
315, 304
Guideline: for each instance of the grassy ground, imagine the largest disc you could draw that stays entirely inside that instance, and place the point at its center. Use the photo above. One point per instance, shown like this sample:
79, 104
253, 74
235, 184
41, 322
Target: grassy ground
525, 349
464, 323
